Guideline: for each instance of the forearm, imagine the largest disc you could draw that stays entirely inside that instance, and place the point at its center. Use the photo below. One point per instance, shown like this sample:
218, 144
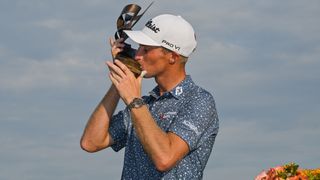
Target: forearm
96, 136
154, 140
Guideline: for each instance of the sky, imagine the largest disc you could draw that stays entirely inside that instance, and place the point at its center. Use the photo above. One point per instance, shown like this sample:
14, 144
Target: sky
260, 59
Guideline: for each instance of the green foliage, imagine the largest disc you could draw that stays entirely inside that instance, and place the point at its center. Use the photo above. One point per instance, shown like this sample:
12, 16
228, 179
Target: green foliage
290, 170
312, 175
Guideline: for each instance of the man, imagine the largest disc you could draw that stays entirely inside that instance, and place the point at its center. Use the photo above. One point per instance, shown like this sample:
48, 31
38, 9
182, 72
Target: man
170, 133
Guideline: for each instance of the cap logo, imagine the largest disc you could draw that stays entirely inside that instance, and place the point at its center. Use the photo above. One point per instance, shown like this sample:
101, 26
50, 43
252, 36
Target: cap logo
171, 45
153, 27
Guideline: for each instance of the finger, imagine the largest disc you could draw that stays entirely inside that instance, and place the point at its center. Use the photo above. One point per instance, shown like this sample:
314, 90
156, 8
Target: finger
116, 43
111, 41
113, 80
116, 46
115, 68
123, 67
143, 73
115, 76
113, 51
119, 43
120, 40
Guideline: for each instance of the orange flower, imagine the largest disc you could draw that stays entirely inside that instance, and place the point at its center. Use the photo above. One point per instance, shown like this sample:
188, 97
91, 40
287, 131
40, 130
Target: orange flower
289, 171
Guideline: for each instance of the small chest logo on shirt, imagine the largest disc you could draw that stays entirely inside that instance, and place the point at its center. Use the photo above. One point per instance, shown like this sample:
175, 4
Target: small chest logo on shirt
179, 91
166, 115
192, 127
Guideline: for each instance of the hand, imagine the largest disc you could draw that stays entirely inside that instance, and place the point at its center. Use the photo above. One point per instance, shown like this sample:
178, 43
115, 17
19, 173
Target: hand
116, 46
128, 86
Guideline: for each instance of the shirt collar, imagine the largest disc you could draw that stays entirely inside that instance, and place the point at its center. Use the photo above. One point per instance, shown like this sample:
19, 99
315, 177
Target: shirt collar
177, 91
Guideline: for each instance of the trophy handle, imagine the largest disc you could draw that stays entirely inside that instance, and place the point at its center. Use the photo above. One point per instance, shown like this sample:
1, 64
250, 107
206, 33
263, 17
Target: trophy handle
128, 18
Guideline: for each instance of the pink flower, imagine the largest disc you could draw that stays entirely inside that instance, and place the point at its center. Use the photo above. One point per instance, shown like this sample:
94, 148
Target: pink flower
261, 176
271, 174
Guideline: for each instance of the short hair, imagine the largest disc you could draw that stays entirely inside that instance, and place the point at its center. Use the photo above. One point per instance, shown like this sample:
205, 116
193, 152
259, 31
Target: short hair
182, 58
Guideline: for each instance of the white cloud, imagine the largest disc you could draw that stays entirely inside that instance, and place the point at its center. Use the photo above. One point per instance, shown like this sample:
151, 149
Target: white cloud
55, 157
64, 71
3, 51
51, 23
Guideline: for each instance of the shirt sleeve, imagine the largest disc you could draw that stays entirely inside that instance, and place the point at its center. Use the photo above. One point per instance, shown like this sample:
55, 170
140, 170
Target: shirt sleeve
118, 130
195, 120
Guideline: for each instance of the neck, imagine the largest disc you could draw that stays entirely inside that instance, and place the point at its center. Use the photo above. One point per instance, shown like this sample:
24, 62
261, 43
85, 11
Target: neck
168, 81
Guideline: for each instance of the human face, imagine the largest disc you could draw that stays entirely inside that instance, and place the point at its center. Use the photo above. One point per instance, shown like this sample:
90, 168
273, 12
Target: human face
152, 59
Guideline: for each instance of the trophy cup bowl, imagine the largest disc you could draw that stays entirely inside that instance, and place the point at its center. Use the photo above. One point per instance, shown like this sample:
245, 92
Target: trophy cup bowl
130, 62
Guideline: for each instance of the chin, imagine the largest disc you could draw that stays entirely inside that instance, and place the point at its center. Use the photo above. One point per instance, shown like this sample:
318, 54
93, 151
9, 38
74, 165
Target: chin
147, 76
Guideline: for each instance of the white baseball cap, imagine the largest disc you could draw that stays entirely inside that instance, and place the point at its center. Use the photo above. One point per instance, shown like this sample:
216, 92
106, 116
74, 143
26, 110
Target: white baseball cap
169, 31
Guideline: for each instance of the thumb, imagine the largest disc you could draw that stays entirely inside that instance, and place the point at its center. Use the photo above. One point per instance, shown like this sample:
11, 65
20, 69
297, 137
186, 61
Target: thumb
111, 41
142, 74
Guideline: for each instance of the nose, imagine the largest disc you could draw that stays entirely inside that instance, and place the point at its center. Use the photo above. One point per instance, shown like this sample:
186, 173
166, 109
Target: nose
138, 54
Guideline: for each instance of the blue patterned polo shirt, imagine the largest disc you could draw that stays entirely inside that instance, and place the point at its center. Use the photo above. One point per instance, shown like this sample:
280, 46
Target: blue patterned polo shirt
188, 111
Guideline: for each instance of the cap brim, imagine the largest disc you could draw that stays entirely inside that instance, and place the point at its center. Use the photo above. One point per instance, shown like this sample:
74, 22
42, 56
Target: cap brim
141, 38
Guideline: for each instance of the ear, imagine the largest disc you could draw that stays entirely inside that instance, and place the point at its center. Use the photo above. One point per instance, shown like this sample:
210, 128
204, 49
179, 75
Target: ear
174, 57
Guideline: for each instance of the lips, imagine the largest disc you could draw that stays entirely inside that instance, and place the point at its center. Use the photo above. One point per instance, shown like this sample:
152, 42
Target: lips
141, 67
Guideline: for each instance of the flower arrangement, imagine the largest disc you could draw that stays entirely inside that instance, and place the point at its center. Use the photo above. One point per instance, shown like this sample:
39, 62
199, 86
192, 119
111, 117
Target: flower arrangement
290, 171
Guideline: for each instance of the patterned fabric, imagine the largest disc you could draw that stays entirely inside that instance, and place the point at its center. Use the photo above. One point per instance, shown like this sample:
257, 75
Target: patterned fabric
189, 112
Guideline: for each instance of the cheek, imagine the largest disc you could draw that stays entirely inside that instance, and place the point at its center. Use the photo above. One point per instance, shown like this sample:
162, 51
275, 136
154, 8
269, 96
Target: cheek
150, 60
154, 63
150, 66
